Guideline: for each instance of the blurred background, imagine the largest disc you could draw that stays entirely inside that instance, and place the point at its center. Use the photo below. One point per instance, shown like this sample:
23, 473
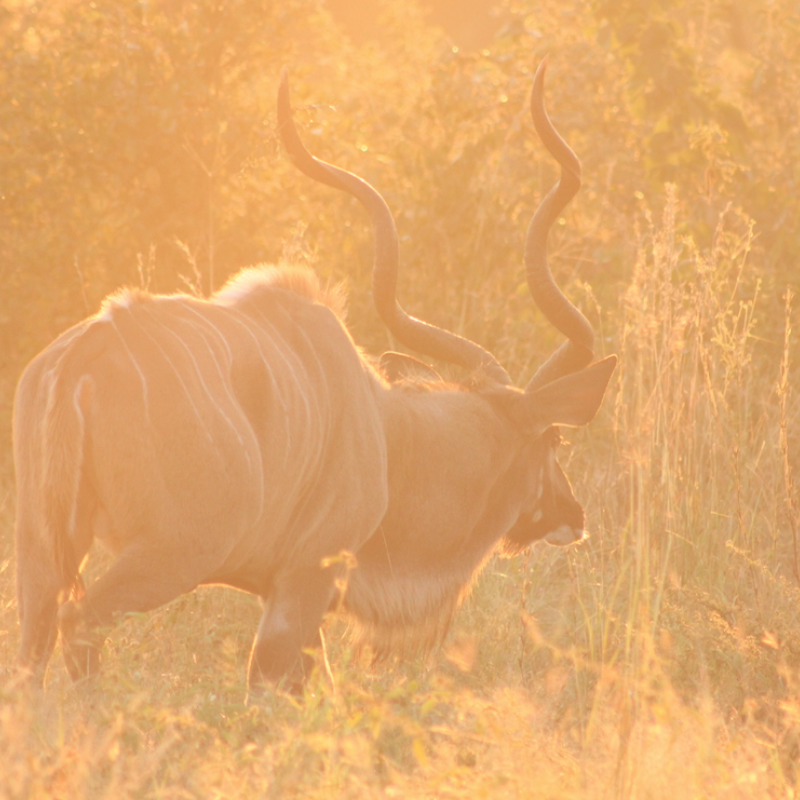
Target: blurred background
137, 144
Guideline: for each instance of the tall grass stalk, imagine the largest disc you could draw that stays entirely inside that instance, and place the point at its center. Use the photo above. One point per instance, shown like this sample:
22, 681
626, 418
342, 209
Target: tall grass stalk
693, 566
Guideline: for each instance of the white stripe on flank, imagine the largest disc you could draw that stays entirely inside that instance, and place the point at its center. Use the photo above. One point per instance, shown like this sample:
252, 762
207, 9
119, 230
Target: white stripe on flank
210, 324
73, 512
300, 378
326, 403
138, 369
256, 470
202, 378
278, 341
225, 383
178, 376
246, 322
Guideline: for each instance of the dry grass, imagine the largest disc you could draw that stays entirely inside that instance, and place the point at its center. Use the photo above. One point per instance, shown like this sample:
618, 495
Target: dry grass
661, 659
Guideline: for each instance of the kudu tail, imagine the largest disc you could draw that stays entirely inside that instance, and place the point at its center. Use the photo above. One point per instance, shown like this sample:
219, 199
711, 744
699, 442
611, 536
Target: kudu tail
65, 435
50, 437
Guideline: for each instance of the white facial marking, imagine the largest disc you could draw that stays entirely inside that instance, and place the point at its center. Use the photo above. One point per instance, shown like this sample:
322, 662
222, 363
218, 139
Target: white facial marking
564, 535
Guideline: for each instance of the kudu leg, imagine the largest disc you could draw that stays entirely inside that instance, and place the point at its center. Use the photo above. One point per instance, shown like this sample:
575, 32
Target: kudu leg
39, 633
38, 589
141, 579
289, 626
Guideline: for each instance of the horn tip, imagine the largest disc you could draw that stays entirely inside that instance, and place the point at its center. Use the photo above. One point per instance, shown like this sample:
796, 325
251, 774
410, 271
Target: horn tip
537, 90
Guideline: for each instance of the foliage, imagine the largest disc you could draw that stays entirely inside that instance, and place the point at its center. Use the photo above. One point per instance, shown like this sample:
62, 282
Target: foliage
661, 659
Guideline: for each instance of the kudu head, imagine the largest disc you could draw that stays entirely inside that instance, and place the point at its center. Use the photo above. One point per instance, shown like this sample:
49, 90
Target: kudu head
564, 391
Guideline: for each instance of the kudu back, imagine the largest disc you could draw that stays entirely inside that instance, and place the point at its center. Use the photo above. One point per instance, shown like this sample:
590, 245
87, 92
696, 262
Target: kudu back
245, 440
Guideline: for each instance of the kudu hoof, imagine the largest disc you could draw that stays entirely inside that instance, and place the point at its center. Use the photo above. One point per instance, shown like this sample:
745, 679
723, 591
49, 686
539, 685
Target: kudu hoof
80, 644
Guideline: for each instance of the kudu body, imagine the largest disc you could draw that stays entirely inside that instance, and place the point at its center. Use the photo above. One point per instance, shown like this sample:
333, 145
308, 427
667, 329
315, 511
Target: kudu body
244, 440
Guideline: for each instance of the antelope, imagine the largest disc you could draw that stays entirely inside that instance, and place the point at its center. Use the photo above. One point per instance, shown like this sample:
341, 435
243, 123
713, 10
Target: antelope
245, 440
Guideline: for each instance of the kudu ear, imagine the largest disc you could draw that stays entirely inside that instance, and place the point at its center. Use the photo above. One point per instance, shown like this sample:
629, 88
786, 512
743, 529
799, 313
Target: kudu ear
572, 400
397, 366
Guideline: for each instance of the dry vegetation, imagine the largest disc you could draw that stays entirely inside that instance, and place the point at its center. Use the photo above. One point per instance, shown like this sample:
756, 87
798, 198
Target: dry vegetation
659, 659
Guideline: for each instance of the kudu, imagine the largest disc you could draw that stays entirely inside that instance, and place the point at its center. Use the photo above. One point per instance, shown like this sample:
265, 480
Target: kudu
245, 440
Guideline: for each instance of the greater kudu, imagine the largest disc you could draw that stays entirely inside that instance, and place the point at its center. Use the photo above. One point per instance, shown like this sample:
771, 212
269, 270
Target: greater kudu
245, 440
